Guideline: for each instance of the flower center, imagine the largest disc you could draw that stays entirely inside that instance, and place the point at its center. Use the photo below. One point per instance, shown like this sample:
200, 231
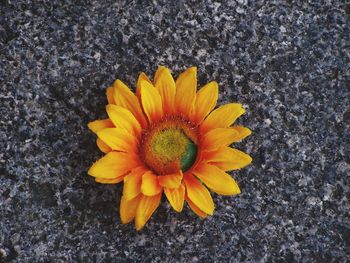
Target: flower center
169, 146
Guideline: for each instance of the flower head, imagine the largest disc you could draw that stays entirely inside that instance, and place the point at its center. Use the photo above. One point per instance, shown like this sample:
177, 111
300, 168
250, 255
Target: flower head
168, 138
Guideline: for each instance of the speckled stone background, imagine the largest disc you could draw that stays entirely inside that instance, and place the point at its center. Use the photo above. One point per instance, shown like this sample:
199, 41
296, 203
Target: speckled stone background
287, 62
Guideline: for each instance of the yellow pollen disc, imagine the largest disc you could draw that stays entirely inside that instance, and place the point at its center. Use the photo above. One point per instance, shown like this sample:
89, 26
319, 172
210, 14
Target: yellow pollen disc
170, 146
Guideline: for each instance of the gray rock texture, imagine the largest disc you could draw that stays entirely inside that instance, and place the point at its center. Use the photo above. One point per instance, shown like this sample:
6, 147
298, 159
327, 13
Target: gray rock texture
287, 61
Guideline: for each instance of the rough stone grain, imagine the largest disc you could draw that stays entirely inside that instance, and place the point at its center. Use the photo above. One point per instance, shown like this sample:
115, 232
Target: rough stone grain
286, 61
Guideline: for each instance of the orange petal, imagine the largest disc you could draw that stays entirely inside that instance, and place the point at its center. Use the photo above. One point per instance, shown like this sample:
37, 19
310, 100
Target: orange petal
186, 86
170, 180
227, 158
195, 209
113, 165
216, 179
217, 138
141, 77
103, 146
222, 117
123, 118
165, 84
118, 139
109, 181
98, 125
242, 132
132, 183
198, 194
176, 197
128, 208
125, 98
150, 185
110, 96
205, 101
145, 209
151, 102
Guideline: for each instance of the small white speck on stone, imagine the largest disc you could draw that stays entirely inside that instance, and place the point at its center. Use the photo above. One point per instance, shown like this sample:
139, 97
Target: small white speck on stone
217, 19
202, 52
267, 122
216, 6
194, 259
97, 56
242, 2
142, 240
271, 182
312, 200
328, 192
240, 10
181, 239
283, 29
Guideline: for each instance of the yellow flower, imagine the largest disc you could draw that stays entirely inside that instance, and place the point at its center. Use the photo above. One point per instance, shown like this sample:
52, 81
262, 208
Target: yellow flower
168, 138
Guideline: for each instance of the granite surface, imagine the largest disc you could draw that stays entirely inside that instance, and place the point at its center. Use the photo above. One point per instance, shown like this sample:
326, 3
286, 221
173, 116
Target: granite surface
288, 62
